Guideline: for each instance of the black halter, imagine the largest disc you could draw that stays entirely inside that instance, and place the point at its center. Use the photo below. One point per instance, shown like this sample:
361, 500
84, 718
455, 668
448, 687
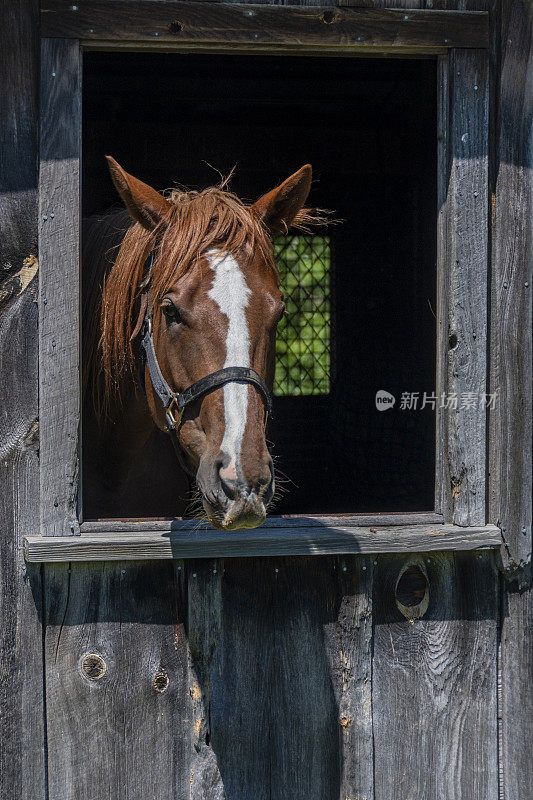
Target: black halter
173, 402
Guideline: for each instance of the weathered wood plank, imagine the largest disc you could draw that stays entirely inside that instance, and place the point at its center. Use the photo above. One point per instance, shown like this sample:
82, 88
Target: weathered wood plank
462, 289
348, 642
22, 758
118, 702
185, 23
281, 649
204, 622
510, 485
442, 477
516, 676
511, 422
59, 281
435, 680
210, 543
364, 520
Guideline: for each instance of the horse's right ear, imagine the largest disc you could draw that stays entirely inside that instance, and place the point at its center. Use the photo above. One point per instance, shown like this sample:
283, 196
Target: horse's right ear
144, 204
279, 207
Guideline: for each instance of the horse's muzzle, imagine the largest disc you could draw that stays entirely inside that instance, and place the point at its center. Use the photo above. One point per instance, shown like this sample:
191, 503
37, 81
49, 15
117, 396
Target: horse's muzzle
233, 504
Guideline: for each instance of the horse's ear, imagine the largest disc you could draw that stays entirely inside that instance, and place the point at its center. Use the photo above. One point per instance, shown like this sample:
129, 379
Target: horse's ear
144, 204
279, 207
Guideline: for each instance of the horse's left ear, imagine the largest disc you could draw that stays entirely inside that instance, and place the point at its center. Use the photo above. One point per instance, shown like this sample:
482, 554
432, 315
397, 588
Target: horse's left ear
144, 204
279, 207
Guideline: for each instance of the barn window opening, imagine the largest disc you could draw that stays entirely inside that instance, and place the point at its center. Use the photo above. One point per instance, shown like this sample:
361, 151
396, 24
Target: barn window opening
360, 295
303, 346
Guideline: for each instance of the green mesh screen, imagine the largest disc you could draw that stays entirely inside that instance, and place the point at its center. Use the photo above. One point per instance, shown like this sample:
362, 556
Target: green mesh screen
303, 336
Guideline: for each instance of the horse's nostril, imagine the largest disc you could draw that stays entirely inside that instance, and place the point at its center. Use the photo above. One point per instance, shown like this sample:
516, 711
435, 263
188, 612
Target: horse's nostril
231, 488
227, 479
237, 487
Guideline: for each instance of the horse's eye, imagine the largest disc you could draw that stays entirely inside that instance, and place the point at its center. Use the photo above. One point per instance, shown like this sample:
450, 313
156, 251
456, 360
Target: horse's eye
170, 311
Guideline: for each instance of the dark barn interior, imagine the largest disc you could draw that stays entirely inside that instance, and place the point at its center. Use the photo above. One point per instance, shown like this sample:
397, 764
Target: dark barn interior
368, 127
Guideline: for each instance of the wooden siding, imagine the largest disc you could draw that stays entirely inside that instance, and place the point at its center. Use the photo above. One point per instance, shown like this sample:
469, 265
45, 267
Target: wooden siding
510, 432
22, 754
154, 22
287, 677
434, 684
462, 283
59, 285
282, 681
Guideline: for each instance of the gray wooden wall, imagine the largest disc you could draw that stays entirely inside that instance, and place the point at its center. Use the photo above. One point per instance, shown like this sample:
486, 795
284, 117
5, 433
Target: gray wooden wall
259, 678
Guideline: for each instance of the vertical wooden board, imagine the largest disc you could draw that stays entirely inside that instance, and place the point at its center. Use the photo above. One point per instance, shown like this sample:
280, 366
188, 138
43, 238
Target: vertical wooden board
442, 472
22, 772
435, 682
114, 636
462, 301
231, 657
516, 676
305, 731
204, 611
289, 680
59, 380
349, 648
511, 422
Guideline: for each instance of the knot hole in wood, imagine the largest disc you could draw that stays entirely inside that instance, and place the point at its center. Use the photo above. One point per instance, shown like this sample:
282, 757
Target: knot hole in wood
93, 666
412, 590
160, 682
329, 16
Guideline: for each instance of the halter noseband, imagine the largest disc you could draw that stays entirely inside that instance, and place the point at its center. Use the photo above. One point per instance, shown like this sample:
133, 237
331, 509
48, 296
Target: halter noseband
173, 402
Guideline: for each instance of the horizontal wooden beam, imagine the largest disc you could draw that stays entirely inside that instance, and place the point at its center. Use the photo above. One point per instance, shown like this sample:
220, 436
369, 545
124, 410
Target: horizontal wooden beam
167, 525
285, 541
185, 25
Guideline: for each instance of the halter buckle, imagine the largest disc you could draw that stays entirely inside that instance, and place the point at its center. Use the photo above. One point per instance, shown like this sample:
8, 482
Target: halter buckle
174, 422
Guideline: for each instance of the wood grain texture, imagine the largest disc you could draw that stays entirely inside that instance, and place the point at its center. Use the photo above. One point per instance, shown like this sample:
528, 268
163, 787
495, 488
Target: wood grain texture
185, 23
59, 379
22, 771
113, 729
462, 287
210, 543
204, 623
511, 423
286, 664
361, 520
435, 683
516, 676
348, 642
442, 475
511, 365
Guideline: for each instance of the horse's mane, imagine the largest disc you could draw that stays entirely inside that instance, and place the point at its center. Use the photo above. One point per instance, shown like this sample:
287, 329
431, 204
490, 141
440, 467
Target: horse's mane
197, 222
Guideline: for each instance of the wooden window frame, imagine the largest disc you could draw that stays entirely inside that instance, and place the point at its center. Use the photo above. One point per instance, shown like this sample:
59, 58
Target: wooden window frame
460, 41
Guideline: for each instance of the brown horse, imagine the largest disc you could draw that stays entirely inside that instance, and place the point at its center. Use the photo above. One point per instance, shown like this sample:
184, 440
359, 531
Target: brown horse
200, 265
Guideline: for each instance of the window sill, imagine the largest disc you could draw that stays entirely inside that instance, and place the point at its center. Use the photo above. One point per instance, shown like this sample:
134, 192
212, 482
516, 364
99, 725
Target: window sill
118, 541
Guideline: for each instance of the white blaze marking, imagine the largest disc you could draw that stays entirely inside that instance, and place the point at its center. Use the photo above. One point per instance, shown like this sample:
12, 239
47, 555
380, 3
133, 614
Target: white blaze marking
230, 292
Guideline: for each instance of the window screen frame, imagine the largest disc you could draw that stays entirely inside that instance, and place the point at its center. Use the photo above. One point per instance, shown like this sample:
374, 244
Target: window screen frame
459, 519
331, 306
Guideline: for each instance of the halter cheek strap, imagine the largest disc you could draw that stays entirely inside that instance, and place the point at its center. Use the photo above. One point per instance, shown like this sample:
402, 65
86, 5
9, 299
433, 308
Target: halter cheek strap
173, 402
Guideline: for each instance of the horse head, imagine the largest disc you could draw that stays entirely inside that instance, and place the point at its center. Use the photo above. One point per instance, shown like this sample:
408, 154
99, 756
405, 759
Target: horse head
214, 302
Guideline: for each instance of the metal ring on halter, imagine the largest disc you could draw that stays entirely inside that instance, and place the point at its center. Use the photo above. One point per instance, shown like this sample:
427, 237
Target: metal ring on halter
173, 423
